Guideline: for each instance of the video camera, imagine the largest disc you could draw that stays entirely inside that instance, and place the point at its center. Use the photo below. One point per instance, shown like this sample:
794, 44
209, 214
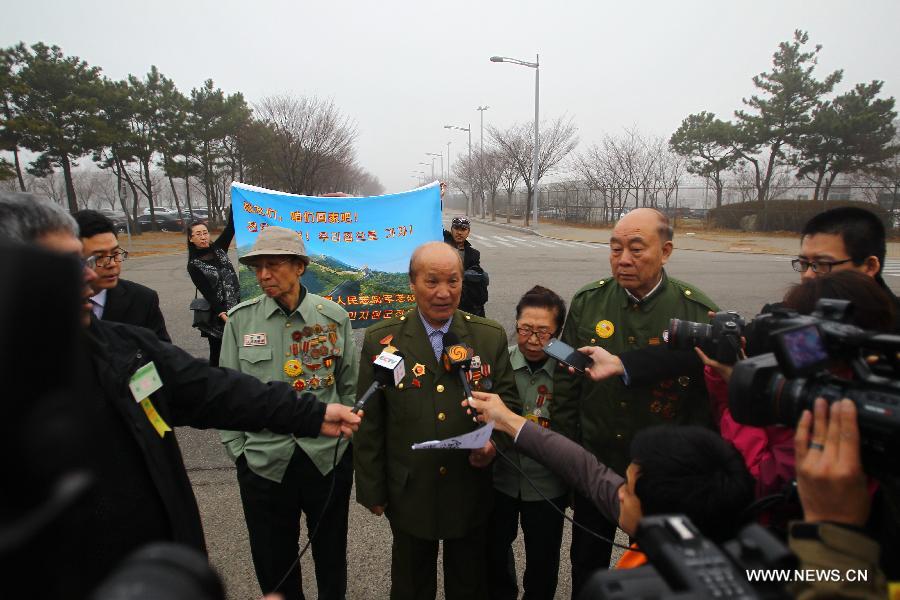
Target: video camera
162, 570
797, 358
684, 564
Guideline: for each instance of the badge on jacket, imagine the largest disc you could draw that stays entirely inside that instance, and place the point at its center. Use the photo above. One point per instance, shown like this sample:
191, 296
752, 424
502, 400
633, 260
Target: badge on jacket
255, 339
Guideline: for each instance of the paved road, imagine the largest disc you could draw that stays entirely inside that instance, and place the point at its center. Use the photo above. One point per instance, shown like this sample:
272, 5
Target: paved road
515, 261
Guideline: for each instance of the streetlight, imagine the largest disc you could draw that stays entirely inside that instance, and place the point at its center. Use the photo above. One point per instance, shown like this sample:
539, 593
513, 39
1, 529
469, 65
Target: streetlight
448, 166
432, 167
471, 186
537, 140
437, 155
481, 110
420, 175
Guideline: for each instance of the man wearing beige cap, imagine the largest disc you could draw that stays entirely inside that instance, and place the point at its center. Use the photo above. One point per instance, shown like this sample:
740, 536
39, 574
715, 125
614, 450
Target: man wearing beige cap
289, 334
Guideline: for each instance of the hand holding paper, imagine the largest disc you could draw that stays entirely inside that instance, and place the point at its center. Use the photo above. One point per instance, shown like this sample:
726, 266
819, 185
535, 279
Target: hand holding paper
474, 440
491, 408
483, 457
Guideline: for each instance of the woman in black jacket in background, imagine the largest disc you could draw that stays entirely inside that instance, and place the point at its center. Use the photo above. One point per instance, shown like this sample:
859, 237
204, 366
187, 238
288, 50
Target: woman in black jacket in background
214, 276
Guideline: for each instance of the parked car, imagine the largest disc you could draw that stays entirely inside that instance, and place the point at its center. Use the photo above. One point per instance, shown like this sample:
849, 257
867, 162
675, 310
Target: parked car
196, 213
160, 210
118, 218
166, 222
549, 212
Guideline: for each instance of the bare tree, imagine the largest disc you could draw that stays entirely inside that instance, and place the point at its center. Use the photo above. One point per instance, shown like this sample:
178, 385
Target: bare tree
352, 179
491, 177
310, 135
558, 139
88, 187
52, 186
632, 168
466, 170
509, 179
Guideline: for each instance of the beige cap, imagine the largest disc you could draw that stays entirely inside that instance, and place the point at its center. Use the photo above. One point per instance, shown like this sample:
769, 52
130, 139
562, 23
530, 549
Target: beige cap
275, 241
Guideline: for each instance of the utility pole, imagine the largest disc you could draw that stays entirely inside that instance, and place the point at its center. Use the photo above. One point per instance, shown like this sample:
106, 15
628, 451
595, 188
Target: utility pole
481, 110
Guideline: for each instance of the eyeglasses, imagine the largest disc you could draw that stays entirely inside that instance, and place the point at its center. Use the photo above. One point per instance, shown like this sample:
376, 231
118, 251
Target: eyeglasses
106, 261
542, 334
90, 262
818, 266
267, 264
200, 234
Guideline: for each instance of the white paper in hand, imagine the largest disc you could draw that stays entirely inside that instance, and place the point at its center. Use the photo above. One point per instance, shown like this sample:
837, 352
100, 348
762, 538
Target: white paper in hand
469, 441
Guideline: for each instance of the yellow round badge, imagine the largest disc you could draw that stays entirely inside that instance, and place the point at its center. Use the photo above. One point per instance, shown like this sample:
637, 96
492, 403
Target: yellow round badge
292, 368
605, 329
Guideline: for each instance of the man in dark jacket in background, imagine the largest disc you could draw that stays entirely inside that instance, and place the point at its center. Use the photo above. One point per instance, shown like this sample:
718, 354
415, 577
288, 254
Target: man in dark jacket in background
116, 299
475, 280
132, 388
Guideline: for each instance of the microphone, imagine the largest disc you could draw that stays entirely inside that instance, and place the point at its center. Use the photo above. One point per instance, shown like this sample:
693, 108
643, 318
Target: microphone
389, 371
457, 357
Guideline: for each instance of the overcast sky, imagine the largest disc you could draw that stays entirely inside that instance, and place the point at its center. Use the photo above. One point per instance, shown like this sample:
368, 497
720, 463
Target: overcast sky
402, 70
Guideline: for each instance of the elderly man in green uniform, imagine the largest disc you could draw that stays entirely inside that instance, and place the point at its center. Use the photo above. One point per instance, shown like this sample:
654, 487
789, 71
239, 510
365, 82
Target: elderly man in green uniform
626, 312
431, 495
289, 334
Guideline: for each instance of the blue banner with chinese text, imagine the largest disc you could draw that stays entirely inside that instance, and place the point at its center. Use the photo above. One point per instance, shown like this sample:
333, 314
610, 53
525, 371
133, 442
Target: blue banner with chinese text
359, 247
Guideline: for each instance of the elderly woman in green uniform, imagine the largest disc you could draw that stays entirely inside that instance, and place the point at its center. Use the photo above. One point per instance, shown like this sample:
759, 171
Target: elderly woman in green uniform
289, 334
540, 500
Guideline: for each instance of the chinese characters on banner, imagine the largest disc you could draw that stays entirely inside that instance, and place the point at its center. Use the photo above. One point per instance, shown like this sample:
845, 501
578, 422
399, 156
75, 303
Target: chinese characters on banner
359, 248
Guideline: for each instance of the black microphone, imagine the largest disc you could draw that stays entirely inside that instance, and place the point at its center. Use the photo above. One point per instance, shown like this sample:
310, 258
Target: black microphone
389, 371
457, 357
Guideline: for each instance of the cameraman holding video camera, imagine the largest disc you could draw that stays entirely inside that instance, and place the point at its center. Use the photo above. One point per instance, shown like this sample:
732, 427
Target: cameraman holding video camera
836, 503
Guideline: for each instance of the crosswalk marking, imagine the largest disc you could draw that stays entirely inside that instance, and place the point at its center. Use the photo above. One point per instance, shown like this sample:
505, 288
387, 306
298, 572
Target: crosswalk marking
519, 240
544, 243
592, 246
892, 268
502, 242
515, 241
482, 240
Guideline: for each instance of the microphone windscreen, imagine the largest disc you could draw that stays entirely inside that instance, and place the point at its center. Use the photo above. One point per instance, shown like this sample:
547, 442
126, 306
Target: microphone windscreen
385, 376
450, 339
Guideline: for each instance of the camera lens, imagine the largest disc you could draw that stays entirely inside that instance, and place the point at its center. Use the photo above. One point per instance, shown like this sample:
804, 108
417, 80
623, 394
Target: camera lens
687, 334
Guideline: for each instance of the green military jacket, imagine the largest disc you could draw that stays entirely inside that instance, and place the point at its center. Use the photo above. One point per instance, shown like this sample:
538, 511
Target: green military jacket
604, 416
311, 348
430, 494
535, 391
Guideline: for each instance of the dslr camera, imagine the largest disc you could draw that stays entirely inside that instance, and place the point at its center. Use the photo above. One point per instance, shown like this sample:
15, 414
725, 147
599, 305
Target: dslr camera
719, 340
796, 358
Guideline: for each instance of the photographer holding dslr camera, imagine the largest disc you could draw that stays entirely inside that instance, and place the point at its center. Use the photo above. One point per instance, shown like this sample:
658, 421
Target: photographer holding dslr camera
798, 357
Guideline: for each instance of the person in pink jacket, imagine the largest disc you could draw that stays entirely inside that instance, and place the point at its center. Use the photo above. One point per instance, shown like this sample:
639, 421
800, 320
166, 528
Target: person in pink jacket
769, 451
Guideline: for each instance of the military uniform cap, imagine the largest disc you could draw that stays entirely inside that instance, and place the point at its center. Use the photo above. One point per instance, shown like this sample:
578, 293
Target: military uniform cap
277, 241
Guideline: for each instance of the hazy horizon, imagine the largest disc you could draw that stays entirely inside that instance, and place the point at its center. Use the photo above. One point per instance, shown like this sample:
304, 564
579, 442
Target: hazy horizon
402, 70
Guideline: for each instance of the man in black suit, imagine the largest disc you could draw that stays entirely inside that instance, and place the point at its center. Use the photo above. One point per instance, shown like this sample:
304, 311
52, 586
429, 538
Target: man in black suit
117, 299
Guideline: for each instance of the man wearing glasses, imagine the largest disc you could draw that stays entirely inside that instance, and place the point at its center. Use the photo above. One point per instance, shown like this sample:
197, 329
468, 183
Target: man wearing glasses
540, 315
116, 299
131, 390
843, 238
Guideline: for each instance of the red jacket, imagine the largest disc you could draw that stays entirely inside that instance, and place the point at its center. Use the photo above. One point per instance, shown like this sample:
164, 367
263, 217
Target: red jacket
768, 451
